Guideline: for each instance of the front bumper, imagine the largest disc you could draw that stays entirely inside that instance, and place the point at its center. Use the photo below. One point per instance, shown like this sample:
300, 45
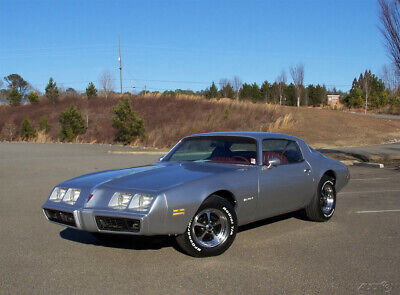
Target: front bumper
107, 220
100, 221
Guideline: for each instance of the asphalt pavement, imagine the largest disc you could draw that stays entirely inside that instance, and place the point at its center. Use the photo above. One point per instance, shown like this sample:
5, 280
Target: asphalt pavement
386, 153
356, 252
380, 116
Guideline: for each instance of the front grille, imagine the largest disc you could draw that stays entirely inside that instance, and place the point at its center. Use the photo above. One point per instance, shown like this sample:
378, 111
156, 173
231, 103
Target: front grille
63, 217
117, 224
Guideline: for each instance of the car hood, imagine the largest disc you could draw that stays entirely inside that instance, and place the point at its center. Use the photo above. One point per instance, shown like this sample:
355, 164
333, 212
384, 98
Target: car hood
156, 177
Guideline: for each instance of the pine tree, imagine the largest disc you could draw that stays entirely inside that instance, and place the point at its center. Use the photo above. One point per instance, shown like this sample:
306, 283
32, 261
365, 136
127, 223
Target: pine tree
127, 124
52, 92
265, 91
212, 92
227, 91
27, 131
91, 91
246, 92
33, 97
255, 92
72, 123
14, 97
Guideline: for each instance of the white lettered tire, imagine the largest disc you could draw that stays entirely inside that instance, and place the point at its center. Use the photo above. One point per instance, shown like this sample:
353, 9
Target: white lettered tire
212, 229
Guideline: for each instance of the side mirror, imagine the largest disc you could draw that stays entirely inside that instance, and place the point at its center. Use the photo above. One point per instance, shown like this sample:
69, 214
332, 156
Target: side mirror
273, 162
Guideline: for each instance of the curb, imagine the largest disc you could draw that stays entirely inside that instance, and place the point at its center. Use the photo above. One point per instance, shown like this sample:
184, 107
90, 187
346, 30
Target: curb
136, 152
348, 162
367, 164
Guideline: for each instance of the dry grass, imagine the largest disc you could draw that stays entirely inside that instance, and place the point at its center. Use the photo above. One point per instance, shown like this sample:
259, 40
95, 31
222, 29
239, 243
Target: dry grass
167, 119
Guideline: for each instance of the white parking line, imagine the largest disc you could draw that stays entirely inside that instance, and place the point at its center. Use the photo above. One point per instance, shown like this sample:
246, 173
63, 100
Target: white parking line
369, 179
377, 211
370, 192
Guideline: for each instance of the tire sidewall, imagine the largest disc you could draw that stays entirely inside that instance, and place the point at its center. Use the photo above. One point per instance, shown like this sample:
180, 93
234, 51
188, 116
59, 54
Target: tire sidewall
227, 209
323, 182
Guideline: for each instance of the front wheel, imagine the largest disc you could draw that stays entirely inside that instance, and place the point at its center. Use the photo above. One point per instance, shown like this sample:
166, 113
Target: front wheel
322, 206
212, 229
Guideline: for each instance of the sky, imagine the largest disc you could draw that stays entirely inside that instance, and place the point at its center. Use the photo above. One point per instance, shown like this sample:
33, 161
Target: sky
187, 44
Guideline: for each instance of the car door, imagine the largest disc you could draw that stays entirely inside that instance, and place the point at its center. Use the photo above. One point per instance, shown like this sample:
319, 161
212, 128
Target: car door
286, 187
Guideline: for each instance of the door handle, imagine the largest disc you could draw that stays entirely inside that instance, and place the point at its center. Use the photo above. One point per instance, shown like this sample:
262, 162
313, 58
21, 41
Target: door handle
307, 170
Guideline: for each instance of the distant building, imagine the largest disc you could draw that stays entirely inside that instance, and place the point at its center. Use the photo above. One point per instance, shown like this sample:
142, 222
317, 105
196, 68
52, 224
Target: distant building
333, 99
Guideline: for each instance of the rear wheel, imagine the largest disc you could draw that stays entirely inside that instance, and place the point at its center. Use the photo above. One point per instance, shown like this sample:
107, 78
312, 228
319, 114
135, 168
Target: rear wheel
212, 229
323, 204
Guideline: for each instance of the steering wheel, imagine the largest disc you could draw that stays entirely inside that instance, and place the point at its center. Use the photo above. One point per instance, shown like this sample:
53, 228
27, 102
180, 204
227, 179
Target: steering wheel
241, 159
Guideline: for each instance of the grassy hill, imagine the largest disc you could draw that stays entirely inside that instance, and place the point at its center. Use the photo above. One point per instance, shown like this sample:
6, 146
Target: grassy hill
167, 119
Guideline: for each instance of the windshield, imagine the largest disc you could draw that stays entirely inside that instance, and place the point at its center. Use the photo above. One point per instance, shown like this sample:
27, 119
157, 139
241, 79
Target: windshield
217, 149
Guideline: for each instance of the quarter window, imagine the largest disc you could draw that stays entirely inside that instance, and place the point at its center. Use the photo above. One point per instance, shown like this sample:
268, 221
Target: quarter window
287, 151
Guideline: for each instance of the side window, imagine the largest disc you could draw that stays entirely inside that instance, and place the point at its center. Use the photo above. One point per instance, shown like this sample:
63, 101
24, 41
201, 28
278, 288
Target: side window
287, 151
293, 153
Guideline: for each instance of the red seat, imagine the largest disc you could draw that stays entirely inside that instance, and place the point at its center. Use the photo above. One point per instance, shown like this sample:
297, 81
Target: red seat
230, 160
270, 155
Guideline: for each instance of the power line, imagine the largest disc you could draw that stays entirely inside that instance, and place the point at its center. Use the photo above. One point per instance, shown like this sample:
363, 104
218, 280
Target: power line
168, 81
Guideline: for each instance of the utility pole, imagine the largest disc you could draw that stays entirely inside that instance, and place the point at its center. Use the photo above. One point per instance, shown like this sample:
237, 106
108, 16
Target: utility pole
120, 63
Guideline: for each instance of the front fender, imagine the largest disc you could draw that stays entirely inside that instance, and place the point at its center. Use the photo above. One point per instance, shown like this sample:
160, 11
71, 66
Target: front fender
182, 204
185, 200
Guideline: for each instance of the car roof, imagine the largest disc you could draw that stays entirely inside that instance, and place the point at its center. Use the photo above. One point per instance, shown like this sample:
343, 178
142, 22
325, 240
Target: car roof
251, 134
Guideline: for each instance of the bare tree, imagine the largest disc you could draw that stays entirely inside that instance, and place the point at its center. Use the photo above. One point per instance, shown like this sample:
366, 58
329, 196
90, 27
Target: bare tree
389, 15
390, 78
1, 83
225, 86
237, 84
223, 82
281, 80
106, 82
367, 90
297, 73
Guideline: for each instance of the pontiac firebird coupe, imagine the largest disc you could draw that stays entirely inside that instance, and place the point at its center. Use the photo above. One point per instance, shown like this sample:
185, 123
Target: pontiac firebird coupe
203, 189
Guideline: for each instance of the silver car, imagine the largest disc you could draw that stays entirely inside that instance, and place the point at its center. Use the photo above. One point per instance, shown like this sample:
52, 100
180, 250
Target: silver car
202, 190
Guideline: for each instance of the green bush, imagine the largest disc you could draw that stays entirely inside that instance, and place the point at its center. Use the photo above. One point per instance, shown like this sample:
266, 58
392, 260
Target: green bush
72, 123
227, 113
44, 123
27, 131
127, 124
33, 97
14, 97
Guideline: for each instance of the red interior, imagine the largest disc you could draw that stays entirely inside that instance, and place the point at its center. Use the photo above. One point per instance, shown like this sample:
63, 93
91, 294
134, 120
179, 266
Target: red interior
270, 155
245, 161
231, 160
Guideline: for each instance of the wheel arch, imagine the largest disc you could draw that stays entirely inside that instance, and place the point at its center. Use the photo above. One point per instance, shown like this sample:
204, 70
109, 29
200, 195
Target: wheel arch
331, 174
225, 194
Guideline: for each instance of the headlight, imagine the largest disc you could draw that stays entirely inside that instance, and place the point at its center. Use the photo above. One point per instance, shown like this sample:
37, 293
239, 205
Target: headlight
120, 200
57, 194
141, 202
71, 195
